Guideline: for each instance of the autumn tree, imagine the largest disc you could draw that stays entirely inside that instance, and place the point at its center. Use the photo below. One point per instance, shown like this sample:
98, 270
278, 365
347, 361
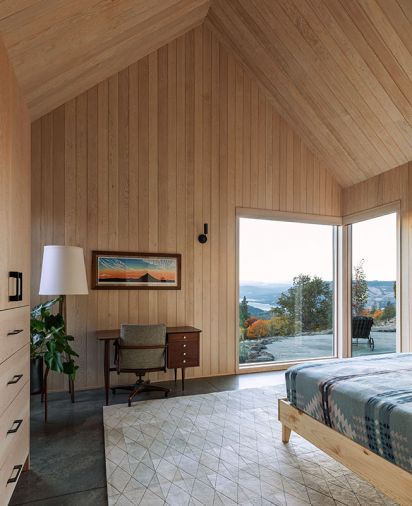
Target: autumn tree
359, 289
306, 305
258, 329
250, 321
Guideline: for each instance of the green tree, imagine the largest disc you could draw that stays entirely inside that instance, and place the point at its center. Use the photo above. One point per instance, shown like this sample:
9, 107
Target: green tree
389, 311
359, 289
243, 312
279, 326
306, 305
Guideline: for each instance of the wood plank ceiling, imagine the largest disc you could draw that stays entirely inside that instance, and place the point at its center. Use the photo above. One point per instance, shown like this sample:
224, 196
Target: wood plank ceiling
61, 48
338, 70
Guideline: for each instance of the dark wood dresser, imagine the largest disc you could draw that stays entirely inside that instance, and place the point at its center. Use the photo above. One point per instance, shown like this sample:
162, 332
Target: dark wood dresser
183, 349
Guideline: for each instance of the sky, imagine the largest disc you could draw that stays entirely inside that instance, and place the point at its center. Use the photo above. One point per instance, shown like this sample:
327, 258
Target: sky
375, 241
274, 251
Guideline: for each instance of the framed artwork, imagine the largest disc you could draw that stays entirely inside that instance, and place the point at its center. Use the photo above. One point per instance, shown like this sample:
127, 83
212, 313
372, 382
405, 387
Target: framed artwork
136, 271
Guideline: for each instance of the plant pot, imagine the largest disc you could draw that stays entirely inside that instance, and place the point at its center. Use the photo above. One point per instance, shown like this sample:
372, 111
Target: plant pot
36, 375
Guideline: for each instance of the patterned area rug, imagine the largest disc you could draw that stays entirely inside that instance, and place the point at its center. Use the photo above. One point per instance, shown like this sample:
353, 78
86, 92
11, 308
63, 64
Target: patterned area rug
220, 449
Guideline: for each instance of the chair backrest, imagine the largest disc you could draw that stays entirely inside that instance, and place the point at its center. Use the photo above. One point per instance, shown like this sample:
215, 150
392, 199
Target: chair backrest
361, 327
142, 347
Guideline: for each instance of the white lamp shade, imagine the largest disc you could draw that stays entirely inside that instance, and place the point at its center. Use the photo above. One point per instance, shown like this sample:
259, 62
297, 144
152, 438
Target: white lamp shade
63, 271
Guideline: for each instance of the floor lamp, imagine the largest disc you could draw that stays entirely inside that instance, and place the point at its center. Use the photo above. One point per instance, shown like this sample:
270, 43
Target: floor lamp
63, 273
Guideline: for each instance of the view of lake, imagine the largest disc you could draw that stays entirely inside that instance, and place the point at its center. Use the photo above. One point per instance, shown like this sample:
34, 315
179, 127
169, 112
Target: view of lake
264, 296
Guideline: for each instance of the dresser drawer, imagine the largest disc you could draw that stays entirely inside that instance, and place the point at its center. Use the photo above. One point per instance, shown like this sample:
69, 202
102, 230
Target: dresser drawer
189, 337
14, 374
14, 331
183, 354
13, 465
13, 422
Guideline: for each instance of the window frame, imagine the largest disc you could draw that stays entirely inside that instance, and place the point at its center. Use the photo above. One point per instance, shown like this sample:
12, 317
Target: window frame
336, 222
348, 221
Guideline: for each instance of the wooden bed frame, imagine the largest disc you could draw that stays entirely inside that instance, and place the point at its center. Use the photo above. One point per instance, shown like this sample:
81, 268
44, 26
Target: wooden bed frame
392, 480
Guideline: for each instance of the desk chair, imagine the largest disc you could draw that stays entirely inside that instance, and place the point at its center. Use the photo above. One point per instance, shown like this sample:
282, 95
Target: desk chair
141, 349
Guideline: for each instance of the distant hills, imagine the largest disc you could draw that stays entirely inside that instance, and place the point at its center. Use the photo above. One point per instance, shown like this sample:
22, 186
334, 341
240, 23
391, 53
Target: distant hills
263, 296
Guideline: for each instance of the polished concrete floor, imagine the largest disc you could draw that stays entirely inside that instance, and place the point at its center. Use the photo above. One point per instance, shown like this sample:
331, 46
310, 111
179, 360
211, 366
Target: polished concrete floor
67, 453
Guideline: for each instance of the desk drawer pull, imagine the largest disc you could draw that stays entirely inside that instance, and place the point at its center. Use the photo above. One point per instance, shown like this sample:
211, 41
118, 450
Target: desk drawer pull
184, 346
16, 476
184, 354
16, 379
184, 361
15, 332
16, 428
184, 337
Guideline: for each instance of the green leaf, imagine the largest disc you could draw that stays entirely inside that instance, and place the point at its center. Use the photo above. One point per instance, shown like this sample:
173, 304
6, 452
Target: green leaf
53, 361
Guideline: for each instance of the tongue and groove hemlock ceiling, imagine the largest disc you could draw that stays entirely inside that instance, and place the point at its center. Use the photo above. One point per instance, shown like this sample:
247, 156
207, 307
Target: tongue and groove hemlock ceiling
339, 71
60, 48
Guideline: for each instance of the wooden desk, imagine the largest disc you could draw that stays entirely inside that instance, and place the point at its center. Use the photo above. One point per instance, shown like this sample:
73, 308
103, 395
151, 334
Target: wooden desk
183, 350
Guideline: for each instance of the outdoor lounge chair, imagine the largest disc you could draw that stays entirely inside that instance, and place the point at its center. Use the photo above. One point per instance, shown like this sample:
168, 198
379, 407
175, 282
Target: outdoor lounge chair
361, 329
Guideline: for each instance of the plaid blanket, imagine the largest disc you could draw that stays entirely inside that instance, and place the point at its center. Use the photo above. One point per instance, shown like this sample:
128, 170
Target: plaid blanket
368, 399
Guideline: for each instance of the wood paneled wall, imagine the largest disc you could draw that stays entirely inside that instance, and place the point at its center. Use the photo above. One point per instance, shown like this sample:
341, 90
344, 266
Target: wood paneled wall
141, 161
14, 184
391, 186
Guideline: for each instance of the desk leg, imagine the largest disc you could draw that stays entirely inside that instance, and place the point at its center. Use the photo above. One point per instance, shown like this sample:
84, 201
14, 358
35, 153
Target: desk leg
106, 369
183, 379
175, 375
44, 394
71, 389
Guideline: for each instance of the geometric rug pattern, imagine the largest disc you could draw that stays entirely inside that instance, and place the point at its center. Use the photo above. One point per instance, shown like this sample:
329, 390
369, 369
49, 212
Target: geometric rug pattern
217, 449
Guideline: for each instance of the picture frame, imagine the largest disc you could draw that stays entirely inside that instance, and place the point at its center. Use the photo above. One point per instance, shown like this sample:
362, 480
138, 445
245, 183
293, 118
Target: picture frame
119, 270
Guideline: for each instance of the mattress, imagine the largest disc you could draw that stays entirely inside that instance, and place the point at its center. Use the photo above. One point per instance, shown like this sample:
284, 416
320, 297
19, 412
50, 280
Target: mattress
368, 399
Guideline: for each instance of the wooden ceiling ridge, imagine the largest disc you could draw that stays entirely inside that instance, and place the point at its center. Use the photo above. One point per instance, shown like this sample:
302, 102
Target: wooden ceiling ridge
338, 71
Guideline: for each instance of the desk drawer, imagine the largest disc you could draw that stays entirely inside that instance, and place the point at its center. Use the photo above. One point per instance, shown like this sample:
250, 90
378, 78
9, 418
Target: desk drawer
14, 331
14, 374
13, 422
13, 465
183, 354
189, 337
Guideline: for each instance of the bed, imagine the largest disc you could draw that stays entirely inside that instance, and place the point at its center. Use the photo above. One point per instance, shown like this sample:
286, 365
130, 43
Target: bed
359, 411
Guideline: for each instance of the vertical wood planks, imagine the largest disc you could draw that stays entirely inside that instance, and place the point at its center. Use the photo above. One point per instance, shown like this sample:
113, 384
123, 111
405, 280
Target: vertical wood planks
141, 161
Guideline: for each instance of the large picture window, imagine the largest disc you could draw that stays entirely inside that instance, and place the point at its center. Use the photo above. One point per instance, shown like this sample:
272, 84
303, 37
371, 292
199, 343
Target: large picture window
286, 290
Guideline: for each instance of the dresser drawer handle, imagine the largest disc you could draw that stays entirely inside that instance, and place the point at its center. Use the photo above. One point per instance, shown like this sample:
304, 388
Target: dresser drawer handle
16, 428
16, 476
184, 337
184, 346
14, 332
184, 354
16, 379
184, 361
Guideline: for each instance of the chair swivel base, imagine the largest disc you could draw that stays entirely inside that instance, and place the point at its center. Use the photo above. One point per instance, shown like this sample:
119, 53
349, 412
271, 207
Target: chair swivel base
139, 387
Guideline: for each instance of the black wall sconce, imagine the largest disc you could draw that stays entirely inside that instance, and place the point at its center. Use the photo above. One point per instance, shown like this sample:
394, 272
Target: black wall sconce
203, 237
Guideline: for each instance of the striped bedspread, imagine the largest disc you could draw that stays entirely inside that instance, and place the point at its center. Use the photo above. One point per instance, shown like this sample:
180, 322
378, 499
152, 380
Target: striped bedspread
368, 399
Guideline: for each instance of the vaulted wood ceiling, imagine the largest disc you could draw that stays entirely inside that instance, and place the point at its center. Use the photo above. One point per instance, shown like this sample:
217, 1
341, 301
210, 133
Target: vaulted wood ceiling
338, 70
60, 48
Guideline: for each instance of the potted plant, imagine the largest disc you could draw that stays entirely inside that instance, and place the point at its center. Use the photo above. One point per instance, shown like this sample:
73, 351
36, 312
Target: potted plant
50, 344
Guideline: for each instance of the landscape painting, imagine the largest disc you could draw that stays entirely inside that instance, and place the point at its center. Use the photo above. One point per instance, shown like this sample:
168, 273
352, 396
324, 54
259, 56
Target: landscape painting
157, 271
